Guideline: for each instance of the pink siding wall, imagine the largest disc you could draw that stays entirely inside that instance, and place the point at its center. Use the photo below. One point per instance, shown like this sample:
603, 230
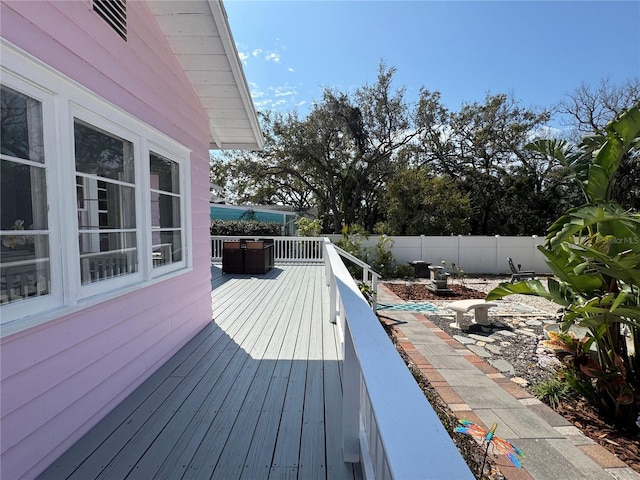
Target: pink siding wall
60, 378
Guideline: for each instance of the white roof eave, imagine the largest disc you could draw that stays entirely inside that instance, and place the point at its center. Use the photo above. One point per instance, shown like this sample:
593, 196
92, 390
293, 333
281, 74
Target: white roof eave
199, 34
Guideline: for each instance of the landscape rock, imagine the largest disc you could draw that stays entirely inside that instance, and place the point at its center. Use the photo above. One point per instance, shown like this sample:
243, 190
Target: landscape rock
496, 350
520, 381
502, 365
479, 351
464, 340
481, 338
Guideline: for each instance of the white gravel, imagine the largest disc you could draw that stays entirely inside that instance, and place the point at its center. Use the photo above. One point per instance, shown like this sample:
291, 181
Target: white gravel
485, 284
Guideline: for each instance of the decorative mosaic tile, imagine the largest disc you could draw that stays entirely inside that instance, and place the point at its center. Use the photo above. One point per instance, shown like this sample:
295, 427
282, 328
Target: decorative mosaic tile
409, 307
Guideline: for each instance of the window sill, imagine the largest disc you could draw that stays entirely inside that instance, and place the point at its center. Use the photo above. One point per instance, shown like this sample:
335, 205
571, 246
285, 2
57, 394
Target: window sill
25, 324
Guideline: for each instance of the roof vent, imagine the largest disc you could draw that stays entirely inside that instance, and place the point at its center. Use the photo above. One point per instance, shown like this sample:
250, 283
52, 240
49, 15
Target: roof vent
114, 12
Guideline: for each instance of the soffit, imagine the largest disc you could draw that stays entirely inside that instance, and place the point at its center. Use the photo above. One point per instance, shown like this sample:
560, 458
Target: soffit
199, 34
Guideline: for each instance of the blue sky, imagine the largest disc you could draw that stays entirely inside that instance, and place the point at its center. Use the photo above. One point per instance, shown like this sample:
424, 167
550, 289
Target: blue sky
539, 51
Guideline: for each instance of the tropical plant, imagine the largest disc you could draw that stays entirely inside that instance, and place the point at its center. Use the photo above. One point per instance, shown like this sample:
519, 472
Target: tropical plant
594, 252
383, 262
351, 242
457, 273
308, 227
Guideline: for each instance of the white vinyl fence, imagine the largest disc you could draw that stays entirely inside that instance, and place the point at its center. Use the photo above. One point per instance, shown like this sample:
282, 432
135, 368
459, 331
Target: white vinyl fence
473, 253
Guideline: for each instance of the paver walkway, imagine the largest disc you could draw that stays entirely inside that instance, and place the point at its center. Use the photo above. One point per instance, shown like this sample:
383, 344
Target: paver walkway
554, 449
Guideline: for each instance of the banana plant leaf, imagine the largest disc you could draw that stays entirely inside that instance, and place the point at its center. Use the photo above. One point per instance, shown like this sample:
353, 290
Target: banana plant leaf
558, 294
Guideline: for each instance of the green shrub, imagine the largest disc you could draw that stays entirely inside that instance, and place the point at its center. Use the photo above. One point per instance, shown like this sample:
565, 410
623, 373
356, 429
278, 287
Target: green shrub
244, 228
403, 271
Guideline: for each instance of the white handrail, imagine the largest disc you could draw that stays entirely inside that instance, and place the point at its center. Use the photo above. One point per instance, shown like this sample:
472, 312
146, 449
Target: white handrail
366, 272
388, 425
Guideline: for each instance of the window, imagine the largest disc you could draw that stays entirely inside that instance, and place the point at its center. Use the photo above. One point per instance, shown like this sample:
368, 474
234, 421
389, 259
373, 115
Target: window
24, 235
166, 210
94, 203
105, 189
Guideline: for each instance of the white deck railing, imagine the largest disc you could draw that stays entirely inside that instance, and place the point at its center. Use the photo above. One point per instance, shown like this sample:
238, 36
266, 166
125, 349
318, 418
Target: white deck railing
286, 249
388, 425
369, 277
97, 266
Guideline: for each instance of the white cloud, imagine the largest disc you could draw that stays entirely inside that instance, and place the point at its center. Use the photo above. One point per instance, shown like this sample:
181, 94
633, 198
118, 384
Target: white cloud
283, 91
243, 57
273, 56
256, 52
546, 131
290, 70
280, 98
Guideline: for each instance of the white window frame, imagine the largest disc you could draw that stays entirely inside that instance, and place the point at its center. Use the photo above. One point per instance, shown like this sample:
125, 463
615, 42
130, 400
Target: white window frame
15, 310
118, 125
63, 100
159, 147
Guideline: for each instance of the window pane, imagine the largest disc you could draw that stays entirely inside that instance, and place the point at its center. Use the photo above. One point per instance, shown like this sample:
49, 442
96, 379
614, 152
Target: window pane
107, 255
166, 220
24, 256
106, 208
167, 248
165, 174
104, 205
99, 153
21, 126
24, 267
165, 211
23, 197
106, 241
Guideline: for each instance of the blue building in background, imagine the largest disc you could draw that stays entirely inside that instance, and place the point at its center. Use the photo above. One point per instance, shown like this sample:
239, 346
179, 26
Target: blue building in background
286, 218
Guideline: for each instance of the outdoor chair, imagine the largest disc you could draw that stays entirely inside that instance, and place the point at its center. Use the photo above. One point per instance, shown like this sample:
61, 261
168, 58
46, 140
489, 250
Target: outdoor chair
517, 274
258, 258
232, 261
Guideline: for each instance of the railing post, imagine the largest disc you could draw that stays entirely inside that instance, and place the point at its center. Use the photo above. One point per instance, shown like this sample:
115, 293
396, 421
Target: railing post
331, 282
498, 254
350, 401
374, 288
333, 299
327, 265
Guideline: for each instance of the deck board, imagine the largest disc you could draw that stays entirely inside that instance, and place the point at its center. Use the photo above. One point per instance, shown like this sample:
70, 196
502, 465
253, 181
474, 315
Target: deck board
255, 395
312, 448
287, 449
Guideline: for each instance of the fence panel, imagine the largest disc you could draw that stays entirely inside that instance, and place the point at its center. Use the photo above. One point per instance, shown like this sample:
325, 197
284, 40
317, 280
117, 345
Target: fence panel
474, 253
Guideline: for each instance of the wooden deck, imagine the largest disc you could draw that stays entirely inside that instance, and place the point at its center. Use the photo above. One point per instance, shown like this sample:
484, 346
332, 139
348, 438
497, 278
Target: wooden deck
255, 395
